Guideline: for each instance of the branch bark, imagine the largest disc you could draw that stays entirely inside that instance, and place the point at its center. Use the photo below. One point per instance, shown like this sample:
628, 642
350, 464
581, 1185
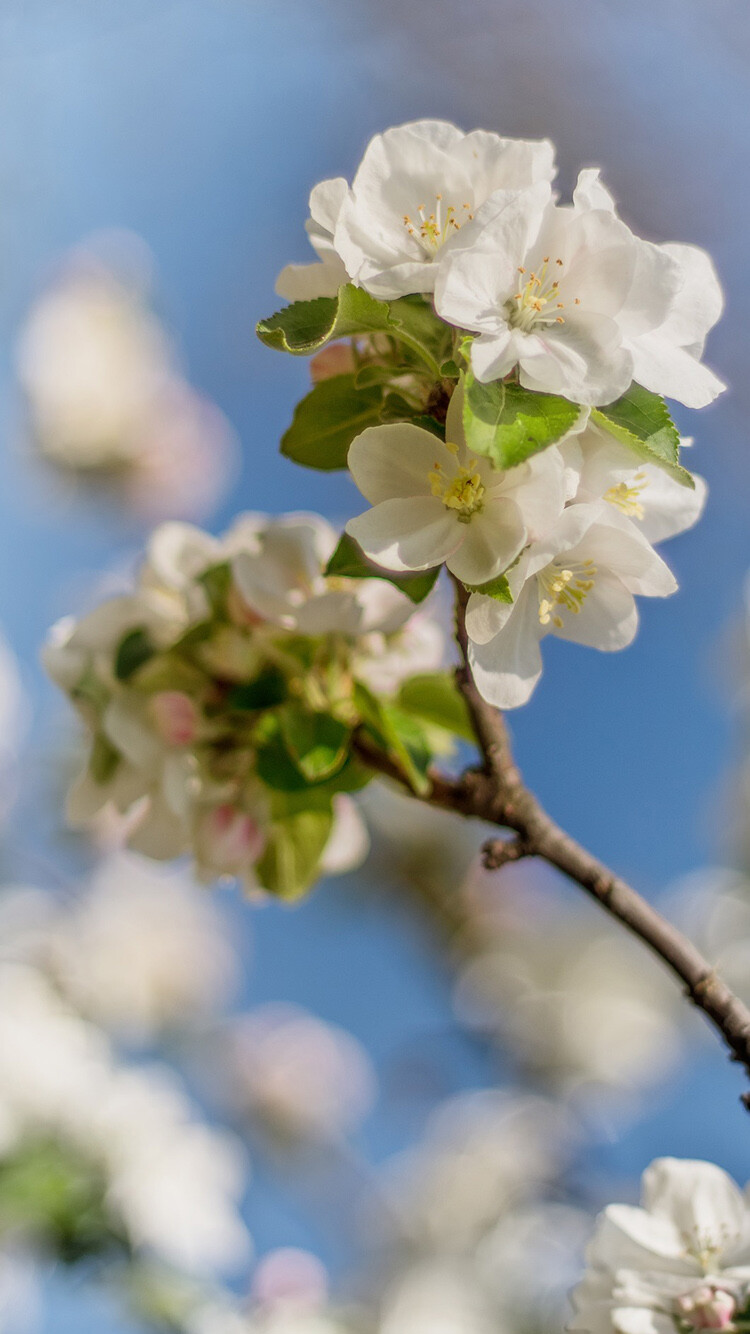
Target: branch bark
495, 792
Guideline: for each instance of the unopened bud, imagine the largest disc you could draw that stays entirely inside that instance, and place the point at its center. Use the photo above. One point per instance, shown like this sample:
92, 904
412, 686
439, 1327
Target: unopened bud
229, 840
707, 1307
338, 359
175, 717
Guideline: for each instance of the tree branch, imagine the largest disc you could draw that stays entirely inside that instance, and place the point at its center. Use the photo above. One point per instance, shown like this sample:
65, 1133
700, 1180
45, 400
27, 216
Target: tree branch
495, 792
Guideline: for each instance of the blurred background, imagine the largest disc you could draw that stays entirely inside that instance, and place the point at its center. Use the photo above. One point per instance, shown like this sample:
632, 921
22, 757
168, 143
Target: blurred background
436, 1076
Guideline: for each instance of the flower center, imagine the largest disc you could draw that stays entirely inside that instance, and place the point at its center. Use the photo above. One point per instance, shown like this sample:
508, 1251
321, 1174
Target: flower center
538, 300
463, 492
707, 1307
625, 497
564, 589
432, 230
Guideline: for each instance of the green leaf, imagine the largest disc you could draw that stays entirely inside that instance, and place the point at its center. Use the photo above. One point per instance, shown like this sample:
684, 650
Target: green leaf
641, 420
268, 689
435, 698
397, 734
305, 327
277, 769
133, 651
508, 424
327, 420
497, 588
295, 845
349, 559
317, 742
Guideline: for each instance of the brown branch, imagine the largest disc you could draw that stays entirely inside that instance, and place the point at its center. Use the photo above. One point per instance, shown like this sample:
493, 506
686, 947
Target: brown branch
496, 793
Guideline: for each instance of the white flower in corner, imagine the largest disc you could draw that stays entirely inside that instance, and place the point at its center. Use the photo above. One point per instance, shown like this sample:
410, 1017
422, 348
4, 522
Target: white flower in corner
568, 295
578, 584
417, 185
434, 502
679, 1263
657, 503
305, 282
666, 354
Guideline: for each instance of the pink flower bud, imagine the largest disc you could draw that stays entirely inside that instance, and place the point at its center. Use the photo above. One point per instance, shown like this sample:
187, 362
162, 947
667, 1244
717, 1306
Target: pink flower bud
707, 1307
338, 359
175, 717
229, 840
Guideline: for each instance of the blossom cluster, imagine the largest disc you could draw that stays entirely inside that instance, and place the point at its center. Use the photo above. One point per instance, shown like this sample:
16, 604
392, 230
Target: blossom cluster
225, 693
507, 360
680, 1262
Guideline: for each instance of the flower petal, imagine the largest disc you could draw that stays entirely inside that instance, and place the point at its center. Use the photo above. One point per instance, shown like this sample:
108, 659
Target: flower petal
608, 618
412, 534
493, 539
507, 668
700, 1200
396, 460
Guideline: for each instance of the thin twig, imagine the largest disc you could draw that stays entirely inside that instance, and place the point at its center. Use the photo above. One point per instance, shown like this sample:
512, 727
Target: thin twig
495, 792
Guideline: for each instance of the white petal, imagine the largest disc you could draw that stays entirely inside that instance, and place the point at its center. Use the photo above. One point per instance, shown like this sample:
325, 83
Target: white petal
485, 617
160, 834
507, 668
627, 1237
591, 193
326, 199
641, 1320
673, 371
494, 355
407, 534
582, 360
349, 841
306, 282
124, 724
492, 540
396, 460
608, 618
670, 508
539, 490
177, 552
700, 300
616, 544
699, 1199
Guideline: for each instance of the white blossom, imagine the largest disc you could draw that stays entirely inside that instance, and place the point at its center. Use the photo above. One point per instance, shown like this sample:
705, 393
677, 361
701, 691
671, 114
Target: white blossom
305, 282
679, 1262
142, 948
105, 396
303, 1077
416, 189
574, 300
578, 584
666, 355
171, 1181
434, 502
659, 505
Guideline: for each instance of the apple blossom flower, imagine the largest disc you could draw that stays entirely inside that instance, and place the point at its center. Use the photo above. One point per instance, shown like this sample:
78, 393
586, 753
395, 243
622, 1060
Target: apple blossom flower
300, 1076
416, 189
659, 505
666, 356
680, 1261
161, 678
105, 397
574, 300
579, 584
170, 1183
434, 502
141, 950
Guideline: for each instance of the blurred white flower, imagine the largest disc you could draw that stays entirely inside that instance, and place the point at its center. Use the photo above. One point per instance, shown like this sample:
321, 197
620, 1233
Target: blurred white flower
573, 1002
105, 397
437, 1297
143, 948
173, 1182
681, 1261
483, 1153
291, 1278
304, 1078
